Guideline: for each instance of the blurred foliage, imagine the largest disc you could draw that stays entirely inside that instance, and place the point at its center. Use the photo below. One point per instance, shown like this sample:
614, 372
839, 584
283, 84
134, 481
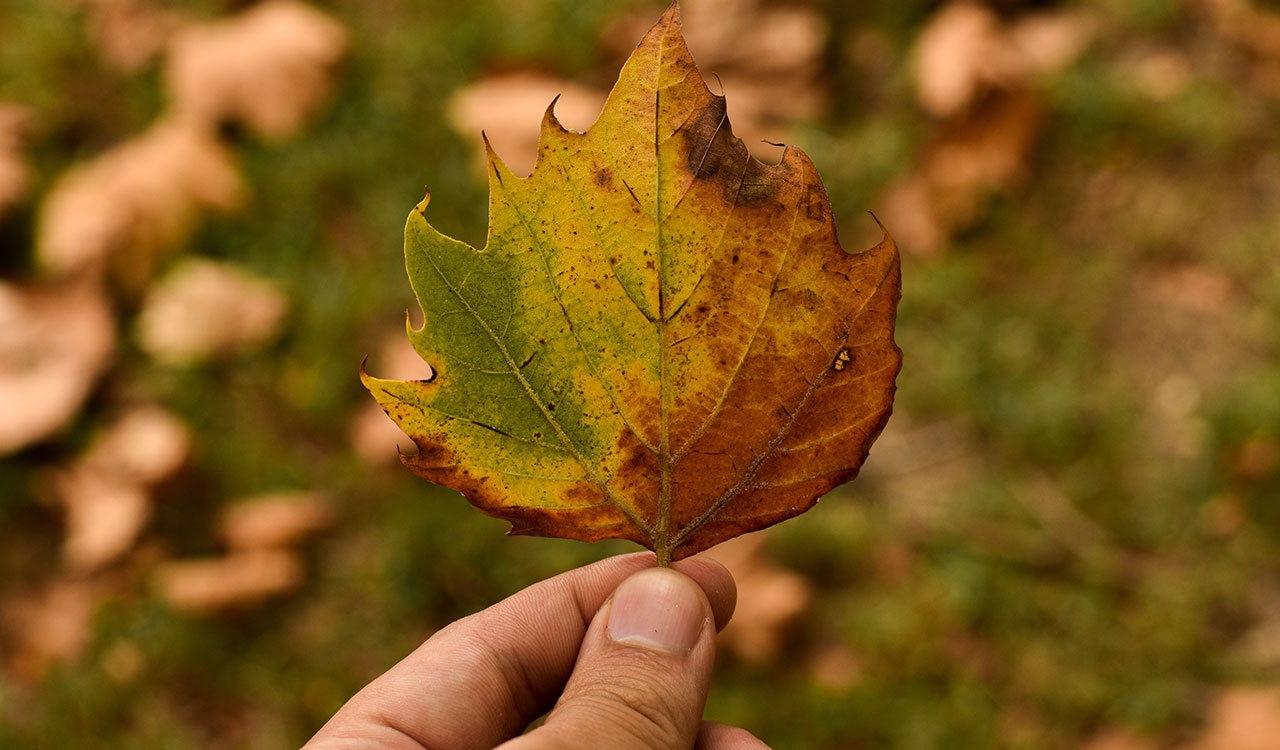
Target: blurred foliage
1071, 524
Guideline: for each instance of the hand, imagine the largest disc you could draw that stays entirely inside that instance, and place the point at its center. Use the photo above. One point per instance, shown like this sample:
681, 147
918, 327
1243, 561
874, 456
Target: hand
622, 650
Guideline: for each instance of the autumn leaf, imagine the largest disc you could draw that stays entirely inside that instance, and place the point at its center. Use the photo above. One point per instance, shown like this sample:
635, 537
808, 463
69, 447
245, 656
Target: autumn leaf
662, 340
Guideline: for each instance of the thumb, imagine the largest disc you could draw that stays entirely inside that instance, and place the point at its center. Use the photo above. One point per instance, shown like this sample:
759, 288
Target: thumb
642, 673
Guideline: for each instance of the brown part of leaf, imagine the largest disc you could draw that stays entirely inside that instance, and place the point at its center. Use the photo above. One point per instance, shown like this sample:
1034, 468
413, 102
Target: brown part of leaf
770, 599
270, 67
238, 580
125, 210
808, 434
274, 520
54, 344
204, 308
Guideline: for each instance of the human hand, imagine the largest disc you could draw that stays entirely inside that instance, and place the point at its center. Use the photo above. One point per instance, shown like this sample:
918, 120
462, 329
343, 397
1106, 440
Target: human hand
622, 650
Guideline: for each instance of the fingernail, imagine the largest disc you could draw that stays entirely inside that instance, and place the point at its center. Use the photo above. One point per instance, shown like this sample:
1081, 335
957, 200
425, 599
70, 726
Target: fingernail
657, 609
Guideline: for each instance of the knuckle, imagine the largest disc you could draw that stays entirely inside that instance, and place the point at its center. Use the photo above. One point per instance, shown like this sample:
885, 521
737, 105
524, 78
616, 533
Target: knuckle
636, 707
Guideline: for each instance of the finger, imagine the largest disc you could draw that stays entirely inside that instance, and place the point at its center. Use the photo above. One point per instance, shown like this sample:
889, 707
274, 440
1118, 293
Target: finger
717, 736
484, 678
642, 675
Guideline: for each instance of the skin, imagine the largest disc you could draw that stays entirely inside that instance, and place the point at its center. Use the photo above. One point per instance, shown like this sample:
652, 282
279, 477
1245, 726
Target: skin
619, 652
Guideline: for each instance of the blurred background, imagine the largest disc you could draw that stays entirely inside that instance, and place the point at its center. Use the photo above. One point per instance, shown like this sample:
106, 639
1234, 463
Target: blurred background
1067, 537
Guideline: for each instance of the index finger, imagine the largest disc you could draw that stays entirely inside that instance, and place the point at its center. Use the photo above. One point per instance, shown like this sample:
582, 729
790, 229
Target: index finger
482, 679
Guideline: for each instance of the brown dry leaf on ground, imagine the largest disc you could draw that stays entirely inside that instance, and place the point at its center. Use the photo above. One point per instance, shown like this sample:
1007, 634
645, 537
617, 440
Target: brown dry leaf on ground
767, 55
961, 52
770, 598
239, 579
132, 205
54, 343
102, 518
46, 627
1243, 718
14, 175
106, 494
275, 520
965, 51
269, 67
204, 308
508, 108
374, 438
976, 73
129, 33
983, 153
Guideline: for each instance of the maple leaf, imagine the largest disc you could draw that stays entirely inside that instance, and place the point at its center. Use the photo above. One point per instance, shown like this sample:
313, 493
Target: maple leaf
662, 340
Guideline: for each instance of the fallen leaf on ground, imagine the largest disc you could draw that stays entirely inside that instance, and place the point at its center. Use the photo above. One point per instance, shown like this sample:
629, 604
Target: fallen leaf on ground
770, 599
508, 109
106, 494
125, 210
204, 308
662, 341
14, 175
54, 343
971, 158
1243, 718
958, 54
274, 520
46, 627
269, 68
966, 51
237, 580
130, 33
145, 446
976, 74
102, 518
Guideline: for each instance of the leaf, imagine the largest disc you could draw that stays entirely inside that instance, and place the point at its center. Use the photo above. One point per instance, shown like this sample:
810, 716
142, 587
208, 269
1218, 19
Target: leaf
662, 340
55, 342
269, 67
